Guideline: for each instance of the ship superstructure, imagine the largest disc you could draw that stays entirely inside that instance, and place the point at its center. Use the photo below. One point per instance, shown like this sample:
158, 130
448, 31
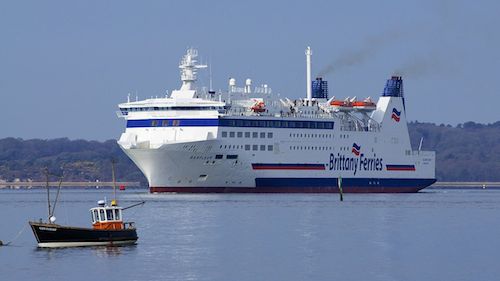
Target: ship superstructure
251, 140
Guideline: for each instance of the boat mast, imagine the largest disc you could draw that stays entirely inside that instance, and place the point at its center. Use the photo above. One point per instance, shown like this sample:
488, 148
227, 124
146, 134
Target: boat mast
113, 161
48, 192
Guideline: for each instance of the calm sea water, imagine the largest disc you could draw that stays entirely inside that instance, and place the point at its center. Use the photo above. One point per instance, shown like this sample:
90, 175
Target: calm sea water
431, 235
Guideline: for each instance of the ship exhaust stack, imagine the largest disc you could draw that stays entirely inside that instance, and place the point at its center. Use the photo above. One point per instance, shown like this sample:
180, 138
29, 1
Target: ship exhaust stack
394, 88
319, 88
308, 73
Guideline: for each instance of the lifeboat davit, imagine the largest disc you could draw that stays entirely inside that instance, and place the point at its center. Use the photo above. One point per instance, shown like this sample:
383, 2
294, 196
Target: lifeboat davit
365, 105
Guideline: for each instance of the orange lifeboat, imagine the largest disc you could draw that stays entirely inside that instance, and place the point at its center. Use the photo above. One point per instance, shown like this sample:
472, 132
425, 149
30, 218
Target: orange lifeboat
259, 106
367, 105
342, 105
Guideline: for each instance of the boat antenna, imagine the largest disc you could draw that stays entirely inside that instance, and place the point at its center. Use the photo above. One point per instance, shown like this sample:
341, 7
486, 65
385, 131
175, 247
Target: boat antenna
46, 170
113, 162
57, 195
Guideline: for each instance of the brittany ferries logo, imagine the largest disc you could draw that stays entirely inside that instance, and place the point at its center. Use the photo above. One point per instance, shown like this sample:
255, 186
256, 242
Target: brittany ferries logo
357, 163
356, 149
396, 115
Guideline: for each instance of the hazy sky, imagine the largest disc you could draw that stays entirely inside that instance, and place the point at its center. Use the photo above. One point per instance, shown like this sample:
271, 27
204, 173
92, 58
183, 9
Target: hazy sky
64, 66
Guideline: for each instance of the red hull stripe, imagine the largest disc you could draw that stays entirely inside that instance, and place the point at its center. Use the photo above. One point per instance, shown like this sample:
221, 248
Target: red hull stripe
262, 166
400, 167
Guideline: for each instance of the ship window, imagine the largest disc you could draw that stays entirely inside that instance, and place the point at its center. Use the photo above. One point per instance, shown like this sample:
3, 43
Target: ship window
93, 216
154, 123
255, 135
109, 215
247, 147
102, 216
262, 135
117, 214
164, 123
231, 134
240, 134
255, 147
218, 156
247, 134
231, 156
96, 215
262, 147
270, 148
269, 135
224, 134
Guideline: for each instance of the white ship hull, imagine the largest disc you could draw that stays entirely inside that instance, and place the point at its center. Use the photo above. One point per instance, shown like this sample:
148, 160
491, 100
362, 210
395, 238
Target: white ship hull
188, 144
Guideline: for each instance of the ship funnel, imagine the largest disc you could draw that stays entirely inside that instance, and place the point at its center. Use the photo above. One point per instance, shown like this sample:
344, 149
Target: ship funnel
319, 88
394, 87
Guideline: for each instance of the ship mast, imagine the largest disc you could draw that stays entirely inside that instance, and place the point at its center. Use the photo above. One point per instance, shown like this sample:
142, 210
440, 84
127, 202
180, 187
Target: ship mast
189, 66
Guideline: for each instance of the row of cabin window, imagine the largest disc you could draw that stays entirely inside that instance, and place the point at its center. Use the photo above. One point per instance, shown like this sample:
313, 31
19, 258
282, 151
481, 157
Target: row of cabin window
164, 123
297, 135
247, 135
109, 215
310, 148
248, 147
171, 108
277, 124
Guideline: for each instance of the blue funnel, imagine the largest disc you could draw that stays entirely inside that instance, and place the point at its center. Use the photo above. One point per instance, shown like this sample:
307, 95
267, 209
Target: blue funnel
394, 87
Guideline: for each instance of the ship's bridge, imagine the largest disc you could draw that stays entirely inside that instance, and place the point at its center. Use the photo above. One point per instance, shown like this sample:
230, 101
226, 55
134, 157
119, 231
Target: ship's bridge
155, 105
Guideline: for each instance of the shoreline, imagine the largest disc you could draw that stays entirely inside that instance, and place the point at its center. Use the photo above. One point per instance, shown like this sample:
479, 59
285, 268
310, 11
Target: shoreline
30, 185
66, 184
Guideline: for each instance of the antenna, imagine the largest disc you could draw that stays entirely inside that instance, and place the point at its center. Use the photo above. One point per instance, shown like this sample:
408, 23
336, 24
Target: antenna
308, 73
47, 186
420, 145
210, 73
113, 161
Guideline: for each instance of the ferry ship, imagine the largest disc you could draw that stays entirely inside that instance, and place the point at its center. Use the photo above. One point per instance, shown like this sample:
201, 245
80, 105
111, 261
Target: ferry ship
247, 139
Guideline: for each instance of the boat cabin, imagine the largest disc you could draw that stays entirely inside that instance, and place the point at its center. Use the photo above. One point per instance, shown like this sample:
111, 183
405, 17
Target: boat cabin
107, 217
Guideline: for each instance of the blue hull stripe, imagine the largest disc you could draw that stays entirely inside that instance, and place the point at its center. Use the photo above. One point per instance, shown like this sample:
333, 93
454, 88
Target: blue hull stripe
346, 182
225, 122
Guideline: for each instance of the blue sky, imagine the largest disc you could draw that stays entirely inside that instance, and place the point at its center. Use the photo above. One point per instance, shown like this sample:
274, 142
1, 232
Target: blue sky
65, 66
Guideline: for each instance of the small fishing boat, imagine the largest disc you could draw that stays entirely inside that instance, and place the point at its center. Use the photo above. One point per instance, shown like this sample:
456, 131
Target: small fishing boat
108, 227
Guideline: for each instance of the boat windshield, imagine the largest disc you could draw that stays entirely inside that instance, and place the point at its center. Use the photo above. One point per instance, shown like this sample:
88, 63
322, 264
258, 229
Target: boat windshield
117, 214
110, 214
102, 216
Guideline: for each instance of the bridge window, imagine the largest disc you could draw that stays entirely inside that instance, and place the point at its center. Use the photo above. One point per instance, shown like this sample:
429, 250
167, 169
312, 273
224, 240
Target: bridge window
269, 135
224, 134
231, 134
117, 215
255, 147
255, 135
109, 215
102, 216
262, 135
240, 134
247, 134
247, 147
270, 148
